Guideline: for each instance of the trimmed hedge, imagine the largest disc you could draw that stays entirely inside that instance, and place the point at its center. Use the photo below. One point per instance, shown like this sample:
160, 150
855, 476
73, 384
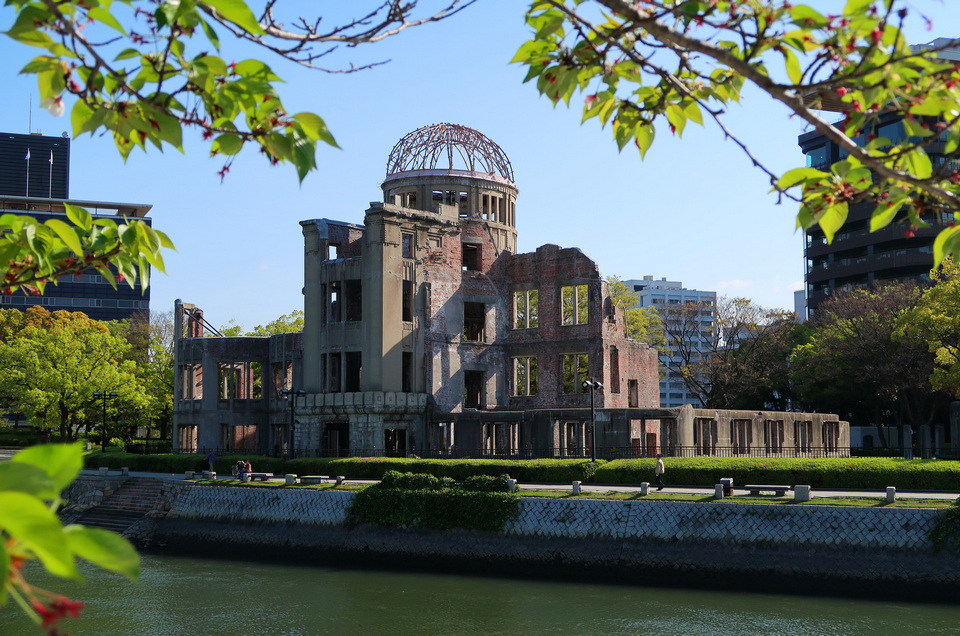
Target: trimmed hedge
855, 473
865, 472
422, 500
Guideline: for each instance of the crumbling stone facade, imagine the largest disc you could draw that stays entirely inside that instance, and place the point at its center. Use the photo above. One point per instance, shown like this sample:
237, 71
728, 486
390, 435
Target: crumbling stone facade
426, 334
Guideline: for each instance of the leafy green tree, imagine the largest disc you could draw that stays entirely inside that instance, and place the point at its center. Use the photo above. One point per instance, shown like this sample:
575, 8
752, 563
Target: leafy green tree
53, 364
856, 364
732, 354
675, 62
643, 323
936, 320
151, 351
287, 323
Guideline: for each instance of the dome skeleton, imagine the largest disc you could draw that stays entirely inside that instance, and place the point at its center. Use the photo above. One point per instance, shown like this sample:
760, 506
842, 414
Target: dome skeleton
423, 149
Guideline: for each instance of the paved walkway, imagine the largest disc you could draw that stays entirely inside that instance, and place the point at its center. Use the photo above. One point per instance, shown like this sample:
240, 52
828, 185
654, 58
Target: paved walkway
686, 490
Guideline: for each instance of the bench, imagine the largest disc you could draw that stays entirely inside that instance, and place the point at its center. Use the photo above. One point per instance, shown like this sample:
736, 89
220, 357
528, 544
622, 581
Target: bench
260, 476
313, 479
778, 490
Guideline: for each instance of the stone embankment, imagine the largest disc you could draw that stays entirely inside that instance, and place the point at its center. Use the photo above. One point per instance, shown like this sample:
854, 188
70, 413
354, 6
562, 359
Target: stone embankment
808, 549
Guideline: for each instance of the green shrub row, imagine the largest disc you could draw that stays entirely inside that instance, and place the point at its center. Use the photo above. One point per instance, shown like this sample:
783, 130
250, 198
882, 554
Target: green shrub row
422, 500
866, 472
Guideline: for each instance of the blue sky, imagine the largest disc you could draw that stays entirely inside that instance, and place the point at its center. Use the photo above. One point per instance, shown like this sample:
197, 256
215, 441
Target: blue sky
694, 211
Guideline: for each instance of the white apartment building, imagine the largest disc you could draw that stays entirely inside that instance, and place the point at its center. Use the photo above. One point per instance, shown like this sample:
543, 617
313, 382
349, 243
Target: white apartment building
660, 294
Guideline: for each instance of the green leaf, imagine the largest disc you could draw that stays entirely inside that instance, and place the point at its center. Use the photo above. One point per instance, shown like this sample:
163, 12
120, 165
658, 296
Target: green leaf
644, 134
883, 215
105, 17
79, 216
315, 128
4, 571
832, 219
28, 479
792, 65
239, 13
33, 524
918, 163
62, 462
104, 548
226, 144
67, 234
799, 175
945, 244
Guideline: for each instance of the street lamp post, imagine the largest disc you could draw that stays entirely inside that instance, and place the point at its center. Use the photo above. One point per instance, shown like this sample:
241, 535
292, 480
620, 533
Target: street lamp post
593, 385
103, 424
290, 394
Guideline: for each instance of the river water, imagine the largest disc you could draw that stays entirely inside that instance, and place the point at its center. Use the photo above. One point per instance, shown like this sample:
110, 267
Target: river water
180, 596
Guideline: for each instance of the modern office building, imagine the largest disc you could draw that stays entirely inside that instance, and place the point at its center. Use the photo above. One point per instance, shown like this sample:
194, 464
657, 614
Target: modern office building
35, 181
857, 258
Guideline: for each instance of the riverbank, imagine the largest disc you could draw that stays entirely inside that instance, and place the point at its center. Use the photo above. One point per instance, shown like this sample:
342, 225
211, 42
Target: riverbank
824, 550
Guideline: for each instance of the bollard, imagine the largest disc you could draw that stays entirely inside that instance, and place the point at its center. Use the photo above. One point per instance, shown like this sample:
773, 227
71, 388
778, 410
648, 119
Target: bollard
290, 480
801, 493
341, 479
576, 487
125, 471
511, 485
718, 491
891, 494
644, 487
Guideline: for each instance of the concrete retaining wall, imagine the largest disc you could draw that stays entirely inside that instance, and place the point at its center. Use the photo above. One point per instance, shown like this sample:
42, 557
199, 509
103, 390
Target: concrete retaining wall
807, 549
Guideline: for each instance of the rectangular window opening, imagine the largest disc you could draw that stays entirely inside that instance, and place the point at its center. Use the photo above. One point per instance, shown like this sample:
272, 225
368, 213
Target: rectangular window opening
406, 377
474, 322
633, 394
526, 312
333, 376
576, 369
614, 370
334, 301
354, 371
353, 300
574, 305
471, 257
525, 376
472, 389
406, 306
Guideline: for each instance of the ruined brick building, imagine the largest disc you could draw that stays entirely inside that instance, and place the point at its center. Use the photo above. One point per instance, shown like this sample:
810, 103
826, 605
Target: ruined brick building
425, 333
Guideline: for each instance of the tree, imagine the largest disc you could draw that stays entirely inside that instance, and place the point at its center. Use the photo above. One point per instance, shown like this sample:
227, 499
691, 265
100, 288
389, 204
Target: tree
151, 351
732, 355
146, 70
53, 364
936, 320
856, 365
679, 61
643, 323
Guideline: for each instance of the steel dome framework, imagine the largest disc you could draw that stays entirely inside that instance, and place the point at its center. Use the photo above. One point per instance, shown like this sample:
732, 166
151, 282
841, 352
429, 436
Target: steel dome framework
426, 149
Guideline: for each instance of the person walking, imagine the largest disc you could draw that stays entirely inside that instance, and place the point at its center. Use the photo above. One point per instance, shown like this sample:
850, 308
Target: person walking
658, 471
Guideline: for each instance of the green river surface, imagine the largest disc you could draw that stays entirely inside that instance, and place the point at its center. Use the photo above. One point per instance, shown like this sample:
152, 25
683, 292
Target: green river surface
181, 596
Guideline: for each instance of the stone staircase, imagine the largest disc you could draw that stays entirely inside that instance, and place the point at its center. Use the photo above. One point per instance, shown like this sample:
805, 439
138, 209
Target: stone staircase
134, 499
